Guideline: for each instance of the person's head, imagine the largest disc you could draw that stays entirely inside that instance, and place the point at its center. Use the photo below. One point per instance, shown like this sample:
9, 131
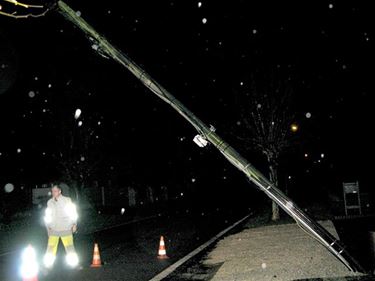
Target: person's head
56, 191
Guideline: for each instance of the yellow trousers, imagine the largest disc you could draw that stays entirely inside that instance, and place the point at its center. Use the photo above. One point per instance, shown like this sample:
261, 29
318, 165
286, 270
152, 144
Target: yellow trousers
53, 242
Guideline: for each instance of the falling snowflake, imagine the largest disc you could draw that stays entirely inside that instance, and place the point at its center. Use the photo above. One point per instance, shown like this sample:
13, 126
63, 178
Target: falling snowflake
49, 85
255, 31
264, 265
238, 123
204, 20
306, 155
18, 150
36, 78
77, 113
259, 105
322, 155
330, 6
193, 180
308, 115
199, 4
31, 94
80, 123
182, 194
241, 83
78, 13
82, 158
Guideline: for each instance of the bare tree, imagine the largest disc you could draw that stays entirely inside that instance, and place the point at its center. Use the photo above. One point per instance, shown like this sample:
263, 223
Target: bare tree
266, 124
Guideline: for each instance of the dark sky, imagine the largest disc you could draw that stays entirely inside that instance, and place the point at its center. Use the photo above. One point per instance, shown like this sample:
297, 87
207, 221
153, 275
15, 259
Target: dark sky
203, 52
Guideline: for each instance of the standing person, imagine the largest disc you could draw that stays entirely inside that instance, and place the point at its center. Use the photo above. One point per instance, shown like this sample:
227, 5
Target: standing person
61, 222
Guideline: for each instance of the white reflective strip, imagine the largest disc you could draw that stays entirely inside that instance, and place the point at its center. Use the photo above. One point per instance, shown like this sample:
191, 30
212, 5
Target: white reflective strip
162, 243
162, 252
48, 260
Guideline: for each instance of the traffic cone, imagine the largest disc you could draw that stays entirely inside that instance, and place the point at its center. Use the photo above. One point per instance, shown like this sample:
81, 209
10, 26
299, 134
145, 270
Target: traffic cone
96, 262
29, 265
162, 254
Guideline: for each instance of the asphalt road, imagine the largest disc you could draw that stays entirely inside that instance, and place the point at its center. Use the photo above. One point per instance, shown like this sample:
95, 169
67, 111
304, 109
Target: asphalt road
129, 252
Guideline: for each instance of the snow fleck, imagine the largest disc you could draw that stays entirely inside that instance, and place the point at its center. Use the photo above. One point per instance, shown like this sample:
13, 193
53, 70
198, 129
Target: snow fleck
330, 6
308, 115
182, 194
204, 20
49, 86
44, 110
344, 66
82, 158
31, 94
78, 13
238, 123
264, 265
122, 211
80, 123
36, 78
199, 4
193, 180
290, 177
77, 113
99, 123
255, 31
9, 187
241, 83
19, 150
322, 155
306, 155
259, 105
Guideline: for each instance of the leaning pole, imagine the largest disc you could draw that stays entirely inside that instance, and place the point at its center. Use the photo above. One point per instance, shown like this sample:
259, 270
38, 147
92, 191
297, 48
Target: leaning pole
208, 134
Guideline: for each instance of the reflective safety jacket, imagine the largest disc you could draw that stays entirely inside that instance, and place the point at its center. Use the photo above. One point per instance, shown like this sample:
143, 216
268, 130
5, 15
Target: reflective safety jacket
60, 216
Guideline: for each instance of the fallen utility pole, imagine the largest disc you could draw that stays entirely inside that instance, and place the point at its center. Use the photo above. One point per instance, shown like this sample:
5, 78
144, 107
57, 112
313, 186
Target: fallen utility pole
208, 134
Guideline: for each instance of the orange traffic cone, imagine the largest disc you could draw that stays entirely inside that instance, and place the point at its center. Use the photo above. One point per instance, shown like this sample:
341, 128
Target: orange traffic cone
29, 265
96, 262
162, 254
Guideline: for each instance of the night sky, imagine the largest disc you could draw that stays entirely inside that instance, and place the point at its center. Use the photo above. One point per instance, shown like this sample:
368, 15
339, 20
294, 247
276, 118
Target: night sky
203, 52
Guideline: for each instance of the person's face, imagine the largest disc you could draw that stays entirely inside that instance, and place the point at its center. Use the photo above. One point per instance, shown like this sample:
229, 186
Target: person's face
55, 192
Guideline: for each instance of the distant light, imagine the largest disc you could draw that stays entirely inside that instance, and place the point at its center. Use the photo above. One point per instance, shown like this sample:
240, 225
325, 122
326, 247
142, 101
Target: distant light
308, 115
294, 128
78, 113
80, 123
330, 6
199, 4
204, 20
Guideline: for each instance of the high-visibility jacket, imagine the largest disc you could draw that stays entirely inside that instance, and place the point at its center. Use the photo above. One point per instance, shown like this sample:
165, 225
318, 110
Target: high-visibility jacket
60, 216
